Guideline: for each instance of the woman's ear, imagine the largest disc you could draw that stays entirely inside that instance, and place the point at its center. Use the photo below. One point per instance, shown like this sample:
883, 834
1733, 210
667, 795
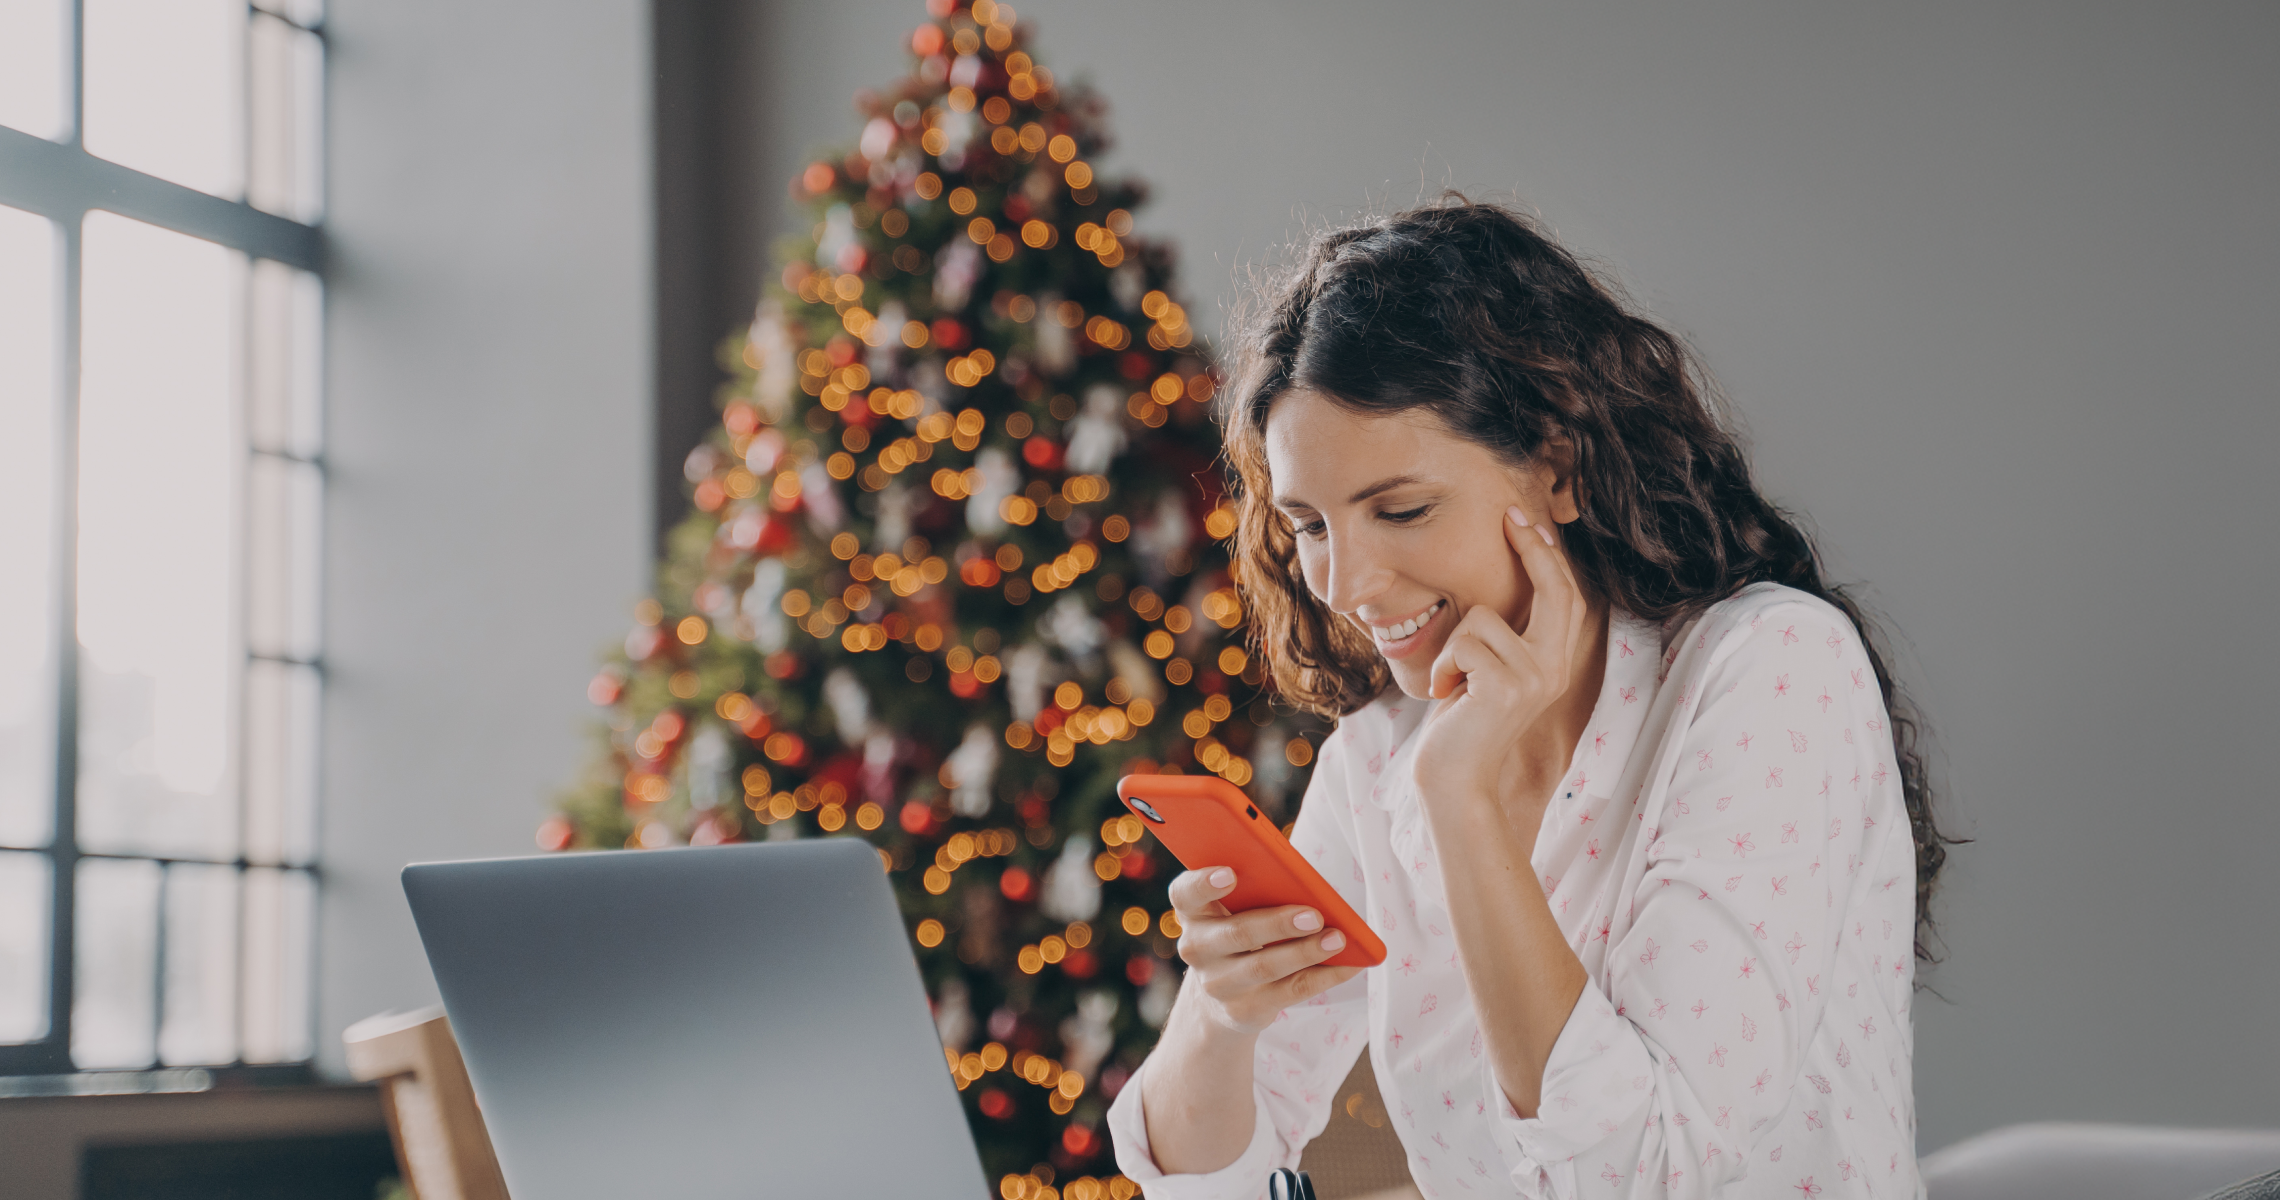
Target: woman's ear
1555, 472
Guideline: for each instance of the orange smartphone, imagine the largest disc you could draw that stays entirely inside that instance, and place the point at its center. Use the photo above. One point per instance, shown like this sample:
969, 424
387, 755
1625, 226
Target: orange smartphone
1206, 822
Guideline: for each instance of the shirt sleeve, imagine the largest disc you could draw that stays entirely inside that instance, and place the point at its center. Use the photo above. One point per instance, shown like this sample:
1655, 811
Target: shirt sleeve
1301, 1058
1697, 1034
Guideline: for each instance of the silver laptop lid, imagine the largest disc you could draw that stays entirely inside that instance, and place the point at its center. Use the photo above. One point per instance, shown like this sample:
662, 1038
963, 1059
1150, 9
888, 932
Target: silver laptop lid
736, 1021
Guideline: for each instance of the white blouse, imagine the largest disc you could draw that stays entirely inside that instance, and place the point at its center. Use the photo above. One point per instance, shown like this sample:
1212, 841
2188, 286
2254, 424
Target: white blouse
1730, 858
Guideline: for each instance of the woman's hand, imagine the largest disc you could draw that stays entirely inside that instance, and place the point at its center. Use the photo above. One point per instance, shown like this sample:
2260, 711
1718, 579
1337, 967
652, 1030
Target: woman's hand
1246, 967
1498, 682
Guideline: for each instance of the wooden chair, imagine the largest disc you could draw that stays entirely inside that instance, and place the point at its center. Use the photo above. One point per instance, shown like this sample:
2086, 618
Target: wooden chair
442, 1147
1357, 1156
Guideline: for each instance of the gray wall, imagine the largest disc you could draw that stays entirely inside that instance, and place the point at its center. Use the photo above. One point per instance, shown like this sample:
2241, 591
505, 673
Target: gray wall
1992, 288
489, 388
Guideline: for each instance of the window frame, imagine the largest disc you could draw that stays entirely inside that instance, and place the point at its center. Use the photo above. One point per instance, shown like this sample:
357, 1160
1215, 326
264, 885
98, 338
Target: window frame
61, 181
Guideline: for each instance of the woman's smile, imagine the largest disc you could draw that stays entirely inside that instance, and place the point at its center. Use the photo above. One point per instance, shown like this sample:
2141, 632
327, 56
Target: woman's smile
1402, 638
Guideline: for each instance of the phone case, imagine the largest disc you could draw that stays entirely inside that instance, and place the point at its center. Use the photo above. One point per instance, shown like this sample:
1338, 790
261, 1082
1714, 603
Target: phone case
1206, 822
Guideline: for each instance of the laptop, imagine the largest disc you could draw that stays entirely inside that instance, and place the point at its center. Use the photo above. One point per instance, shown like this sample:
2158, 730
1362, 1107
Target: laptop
733, 1021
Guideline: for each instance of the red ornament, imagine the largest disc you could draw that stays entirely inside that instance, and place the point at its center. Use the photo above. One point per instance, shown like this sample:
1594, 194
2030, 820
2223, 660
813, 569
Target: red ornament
1049, 718
1135, 365
1080, 964
1080, 1140
1137, 865
964, 686
817, 178
554, 833
917, 818
710, 496
1140, 969
1017, 884
644, 641
948, 334
996, 1105
841, 350
927, 41
605, 689
1041, 452
774, 536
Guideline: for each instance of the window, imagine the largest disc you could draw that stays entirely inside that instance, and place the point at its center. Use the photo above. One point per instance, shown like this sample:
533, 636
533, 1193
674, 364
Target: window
161, 472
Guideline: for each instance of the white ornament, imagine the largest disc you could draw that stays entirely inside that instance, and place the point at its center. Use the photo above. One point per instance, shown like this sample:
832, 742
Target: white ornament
1056, 346
1072, 626
892, 528
708, 760
1096, 437
770, 628
1025, 679
954, 1014
838, 236
1156, 999
1087, 1037
879, 767
1071, 890
1138, 674
1000, 478
823, 507
1128, 284
954, 273
878, 138
974, 766
885, 340
1270, 767
772, 391
764, 451
700, 464
1164, 532
850, 705
932, 385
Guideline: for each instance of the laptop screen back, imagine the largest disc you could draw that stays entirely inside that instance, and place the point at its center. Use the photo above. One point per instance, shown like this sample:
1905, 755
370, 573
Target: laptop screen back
736, 1021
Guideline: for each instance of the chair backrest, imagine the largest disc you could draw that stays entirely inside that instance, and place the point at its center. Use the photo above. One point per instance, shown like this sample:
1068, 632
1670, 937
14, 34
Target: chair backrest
441, 1145
1358, 1156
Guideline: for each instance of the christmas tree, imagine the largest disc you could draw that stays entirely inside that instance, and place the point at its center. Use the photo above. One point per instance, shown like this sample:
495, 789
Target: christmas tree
953, 565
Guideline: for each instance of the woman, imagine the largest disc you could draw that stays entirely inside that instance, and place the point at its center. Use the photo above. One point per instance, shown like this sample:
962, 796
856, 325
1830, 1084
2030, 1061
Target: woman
1615, 775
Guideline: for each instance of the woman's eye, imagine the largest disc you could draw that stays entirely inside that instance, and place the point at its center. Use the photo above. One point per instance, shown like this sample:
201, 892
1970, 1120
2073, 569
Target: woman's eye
1405, 517
1312, 529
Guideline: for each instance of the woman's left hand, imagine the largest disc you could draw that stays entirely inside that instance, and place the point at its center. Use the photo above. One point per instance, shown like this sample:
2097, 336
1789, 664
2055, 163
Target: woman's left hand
1496, 682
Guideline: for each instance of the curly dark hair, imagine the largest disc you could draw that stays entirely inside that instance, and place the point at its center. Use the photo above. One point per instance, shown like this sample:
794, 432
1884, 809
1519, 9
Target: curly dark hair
1471, 313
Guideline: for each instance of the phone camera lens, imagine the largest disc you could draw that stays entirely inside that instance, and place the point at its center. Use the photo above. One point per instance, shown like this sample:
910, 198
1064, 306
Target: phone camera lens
1146, 809
1254, 812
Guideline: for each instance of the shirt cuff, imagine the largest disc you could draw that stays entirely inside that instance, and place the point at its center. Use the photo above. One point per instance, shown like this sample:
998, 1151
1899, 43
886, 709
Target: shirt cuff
1598, 1081
1243, 1179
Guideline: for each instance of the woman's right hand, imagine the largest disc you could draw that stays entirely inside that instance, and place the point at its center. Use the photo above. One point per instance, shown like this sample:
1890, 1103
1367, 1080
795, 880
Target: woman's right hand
1251, 965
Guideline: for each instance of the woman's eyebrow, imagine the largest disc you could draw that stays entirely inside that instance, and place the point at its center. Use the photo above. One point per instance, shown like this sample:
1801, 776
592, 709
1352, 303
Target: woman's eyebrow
1383, 485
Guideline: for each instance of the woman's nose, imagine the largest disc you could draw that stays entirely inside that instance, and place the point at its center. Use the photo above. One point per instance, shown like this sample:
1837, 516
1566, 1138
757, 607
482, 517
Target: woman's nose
1352, 578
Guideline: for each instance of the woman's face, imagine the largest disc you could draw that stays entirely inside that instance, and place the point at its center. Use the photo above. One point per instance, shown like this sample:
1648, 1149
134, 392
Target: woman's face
1399, 524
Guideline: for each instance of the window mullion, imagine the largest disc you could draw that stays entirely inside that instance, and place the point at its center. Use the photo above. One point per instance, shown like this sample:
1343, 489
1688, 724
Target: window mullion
63, 841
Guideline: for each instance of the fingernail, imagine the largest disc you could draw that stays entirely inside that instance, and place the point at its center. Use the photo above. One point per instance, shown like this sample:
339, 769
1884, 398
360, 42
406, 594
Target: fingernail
1333, 940
1516, 516
1546, 530
1307, 920
1222, 877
